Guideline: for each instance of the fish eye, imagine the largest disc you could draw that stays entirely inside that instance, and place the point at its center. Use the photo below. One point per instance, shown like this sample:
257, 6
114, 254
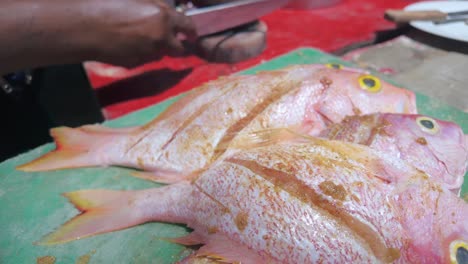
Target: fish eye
458, 252
370, 83
334, 66
428, 125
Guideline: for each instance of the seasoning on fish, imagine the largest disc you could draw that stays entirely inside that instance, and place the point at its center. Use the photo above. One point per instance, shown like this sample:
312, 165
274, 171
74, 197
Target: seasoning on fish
437, 147
316, 201
199, 128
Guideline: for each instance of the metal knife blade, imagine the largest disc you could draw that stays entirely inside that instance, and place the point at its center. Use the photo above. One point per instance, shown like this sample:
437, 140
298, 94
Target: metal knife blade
212, 19
454, 17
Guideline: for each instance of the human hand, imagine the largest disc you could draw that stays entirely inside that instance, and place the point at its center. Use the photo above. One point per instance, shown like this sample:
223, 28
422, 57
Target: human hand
121, 32
131, 32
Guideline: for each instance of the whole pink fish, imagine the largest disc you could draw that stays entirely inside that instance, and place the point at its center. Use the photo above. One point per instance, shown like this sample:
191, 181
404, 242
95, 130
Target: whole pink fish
316, 201
198, 129
437, 147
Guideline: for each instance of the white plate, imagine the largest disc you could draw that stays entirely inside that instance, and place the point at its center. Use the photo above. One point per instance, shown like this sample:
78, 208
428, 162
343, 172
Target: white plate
454, 30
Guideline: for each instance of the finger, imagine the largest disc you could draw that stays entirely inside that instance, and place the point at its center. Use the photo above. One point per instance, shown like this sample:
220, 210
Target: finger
181, 2
171, 3
183, 24
176, 48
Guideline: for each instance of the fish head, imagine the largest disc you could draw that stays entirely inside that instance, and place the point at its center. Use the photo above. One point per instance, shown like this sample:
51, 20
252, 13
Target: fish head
352, 92
457, 251
434, 146
433, 217
450, 230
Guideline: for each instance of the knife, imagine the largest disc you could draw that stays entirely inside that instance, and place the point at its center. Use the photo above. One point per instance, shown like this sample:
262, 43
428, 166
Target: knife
438, 17
212, 19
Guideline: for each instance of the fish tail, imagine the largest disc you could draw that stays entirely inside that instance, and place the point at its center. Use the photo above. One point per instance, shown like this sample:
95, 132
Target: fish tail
104, 211
100, 214
75, 147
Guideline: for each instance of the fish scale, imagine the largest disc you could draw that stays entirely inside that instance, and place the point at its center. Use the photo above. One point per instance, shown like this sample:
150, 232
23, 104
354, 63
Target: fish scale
307, 178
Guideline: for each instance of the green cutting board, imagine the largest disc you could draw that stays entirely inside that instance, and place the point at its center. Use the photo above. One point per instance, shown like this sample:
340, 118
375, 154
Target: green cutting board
31, 205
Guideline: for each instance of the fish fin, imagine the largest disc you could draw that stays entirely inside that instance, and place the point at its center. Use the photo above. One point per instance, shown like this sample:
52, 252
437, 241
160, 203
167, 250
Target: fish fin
268, 137
222, 249
105, 211
74, 148
102, 211
106, 130
165, 177
191, 239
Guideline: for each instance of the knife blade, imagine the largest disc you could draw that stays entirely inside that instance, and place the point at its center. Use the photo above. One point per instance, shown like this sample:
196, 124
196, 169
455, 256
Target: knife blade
403, 16
212, 19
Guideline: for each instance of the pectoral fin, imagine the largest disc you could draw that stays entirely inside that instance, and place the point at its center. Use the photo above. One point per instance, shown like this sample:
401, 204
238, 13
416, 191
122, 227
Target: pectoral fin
221, 249
267, 137
166, 177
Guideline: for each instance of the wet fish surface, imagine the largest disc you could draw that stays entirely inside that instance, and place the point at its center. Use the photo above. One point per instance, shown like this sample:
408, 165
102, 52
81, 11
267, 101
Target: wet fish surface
200, 127
296, 201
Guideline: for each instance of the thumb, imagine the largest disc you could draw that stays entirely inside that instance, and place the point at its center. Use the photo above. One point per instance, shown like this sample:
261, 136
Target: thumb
175, 47
183, 26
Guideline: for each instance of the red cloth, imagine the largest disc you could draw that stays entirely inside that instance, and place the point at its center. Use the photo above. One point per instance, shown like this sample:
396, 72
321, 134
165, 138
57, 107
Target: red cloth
121, 91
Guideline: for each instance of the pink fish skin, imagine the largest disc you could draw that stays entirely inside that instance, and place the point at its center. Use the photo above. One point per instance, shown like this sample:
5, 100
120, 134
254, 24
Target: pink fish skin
305, 201
198, 129
434, 146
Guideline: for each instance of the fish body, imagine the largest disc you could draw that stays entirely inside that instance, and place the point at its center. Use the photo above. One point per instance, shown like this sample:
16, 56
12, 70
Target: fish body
199, 128
316, 201
437, 147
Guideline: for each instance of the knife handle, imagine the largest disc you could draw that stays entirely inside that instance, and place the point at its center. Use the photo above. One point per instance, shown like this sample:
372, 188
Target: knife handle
401, 16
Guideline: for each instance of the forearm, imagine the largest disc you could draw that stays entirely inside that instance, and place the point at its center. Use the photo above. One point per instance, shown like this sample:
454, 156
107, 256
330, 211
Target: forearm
37, 33
125, 32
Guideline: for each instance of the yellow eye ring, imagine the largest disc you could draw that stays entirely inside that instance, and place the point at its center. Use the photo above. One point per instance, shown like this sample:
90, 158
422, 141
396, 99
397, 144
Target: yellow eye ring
428, 125
455, 246
334, 66
370, 83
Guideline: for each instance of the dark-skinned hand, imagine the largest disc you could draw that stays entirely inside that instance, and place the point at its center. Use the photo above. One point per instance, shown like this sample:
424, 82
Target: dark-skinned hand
121, 32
